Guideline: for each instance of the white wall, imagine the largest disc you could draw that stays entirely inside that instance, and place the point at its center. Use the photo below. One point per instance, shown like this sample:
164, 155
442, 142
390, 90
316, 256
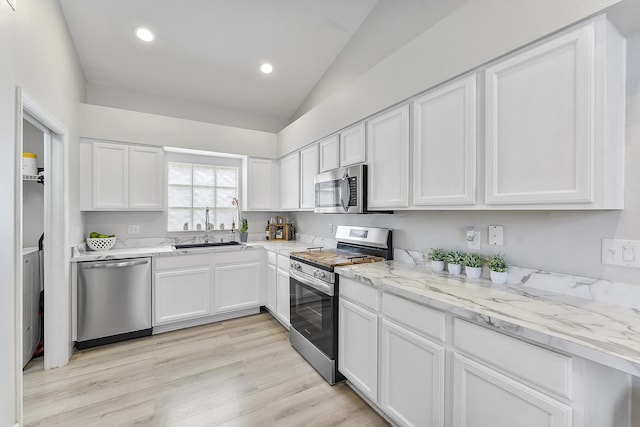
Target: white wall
37, 54
108, 96
131, 126
477, 32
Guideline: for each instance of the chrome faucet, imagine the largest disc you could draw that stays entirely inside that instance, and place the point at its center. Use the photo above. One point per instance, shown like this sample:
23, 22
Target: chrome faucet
207, 225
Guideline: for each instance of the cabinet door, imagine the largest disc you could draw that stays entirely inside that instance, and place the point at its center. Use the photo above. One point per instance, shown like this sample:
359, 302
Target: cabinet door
110, 175
444, 144
358, 347
352, 145
236, 286
290, 182
486, 398
539, 123
412, 377
260, 191
388, 152
283, 299
181, 294
146, 178
329, 153
272, 277
308, 171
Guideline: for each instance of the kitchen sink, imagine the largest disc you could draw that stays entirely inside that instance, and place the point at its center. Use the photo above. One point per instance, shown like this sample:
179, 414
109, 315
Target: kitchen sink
207, 245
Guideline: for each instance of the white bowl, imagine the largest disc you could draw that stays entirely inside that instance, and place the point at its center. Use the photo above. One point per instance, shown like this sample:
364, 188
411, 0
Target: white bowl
100, 243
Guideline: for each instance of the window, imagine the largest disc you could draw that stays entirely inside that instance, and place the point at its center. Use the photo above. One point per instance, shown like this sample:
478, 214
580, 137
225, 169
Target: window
192, 188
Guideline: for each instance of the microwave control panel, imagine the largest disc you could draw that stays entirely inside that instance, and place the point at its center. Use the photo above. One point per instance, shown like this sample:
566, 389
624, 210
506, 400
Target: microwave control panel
353, 191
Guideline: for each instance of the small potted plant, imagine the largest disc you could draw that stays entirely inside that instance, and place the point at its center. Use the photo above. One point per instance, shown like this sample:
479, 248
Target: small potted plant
473, 265
244, 226
437, 257
498, 267
454, 261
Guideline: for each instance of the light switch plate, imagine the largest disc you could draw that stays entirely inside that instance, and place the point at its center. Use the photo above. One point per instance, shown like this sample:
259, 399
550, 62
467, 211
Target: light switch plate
496, 235
474, 243
134, 229
12, 3
621, 252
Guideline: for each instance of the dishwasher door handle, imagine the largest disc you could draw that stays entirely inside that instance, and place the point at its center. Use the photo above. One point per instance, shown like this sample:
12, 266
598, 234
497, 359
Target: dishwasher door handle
115, 264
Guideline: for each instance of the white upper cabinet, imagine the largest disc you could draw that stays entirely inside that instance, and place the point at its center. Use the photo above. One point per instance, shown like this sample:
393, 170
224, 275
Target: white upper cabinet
444, 145
290, 182
555, 122
146, 177
352, 145
329, 153
119, 176
388, 153
308, 171
260, 192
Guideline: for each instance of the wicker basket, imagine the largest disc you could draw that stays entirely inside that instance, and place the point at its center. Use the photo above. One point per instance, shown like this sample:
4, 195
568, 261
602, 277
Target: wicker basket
100, 244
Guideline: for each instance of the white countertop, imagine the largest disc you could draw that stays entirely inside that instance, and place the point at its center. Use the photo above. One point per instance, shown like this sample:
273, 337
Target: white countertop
28, 251
607, 334
282, 247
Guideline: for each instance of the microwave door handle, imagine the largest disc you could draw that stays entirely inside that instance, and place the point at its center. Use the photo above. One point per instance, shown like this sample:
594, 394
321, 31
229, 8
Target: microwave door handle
345, 192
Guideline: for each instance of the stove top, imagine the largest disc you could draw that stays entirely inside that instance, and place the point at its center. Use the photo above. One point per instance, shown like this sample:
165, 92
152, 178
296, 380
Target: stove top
330, 258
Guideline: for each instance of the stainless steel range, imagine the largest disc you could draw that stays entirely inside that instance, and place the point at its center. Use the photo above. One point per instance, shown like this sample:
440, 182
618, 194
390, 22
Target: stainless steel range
314, 292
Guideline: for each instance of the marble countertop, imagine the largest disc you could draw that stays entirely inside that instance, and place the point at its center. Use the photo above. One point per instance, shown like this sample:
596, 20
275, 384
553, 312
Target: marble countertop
604, 333
283, 247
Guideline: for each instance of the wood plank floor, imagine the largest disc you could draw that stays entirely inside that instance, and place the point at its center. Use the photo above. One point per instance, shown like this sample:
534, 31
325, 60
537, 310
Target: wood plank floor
240, 372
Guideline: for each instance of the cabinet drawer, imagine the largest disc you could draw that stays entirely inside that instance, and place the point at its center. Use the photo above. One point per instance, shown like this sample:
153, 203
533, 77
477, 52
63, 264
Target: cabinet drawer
237, 256
180, 261
283, 262
544, 368
360, 293
423, 319
271, 257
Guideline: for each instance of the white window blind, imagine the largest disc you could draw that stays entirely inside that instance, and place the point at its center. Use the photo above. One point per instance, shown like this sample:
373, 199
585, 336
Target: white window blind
192, 188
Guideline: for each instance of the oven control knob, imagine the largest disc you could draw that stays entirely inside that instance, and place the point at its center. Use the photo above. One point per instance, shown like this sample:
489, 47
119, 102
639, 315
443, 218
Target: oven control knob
319, 274
295, 266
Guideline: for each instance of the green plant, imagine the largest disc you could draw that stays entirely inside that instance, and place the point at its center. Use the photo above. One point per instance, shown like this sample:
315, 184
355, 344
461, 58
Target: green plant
497, 263
473, 260
455, 257
244, 225
437, 254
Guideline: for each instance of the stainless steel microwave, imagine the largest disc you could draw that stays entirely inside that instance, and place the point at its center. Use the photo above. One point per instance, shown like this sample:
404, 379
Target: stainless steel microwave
342, 190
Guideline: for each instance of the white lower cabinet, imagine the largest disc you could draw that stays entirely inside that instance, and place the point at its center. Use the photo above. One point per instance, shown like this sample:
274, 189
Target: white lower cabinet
421, 366
201, 288
358, 347
181, 294
236, 286
485, 398
412, 377
270, 292
282, 291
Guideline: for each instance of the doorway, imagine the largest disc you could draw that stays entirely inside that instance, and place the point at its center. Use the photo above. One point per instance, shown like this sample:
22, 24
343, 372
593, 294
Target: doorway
55, 271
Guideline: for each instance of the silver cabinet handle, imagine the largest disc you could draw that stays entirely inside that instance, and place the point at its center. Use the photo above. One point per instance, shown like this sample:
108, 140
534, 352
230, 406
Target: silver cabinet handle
121, 264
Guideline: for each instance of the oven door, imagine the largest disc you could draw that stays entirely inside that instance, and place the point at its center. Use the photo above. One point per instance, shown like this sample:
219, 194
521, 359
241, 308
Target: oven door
314, 313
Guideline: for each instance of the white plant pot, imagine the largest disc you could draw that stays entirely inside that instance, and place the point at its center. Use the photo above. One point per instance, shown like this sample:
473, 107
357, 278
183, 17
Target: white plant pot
437, 265
454, 268
473, 272
499, 277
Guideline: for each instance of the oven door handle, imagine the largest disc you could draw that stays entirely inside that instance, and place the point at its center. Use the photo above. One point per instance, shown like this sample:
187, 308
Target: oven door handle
312, 282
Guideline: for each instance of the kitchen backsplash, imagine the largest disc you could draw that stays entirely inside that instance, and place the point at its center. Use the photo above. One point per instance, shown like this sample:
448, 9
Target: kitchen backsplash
617, 293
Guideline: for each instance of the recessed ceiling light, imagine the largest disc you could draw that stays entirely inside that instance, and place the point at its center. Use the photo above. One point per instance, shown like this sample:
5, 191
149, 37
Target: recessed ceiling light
144, 34
266, 68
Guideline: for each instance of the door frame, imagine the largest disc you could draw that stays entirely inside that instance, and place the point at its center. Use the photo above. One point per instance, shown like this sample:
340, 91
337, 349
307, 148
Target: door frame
57, 333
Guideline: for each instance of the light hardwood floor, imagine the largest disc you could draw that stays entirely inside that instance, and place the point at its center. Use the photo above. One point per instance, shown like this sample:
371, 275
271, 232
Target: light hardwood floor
240, 372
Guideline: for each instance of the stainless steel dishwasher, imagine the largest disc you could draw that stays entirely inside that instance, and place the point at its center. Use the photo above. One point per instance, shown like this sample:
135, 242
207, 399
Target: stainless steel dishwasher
114, 301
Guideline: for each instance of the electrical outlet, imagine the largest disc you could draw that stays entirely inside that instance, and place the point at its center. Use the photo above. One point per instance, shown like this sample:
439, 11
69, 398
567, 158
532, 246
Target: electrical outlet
330, 228
473, 238
496, 235
621, 252
134, 229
